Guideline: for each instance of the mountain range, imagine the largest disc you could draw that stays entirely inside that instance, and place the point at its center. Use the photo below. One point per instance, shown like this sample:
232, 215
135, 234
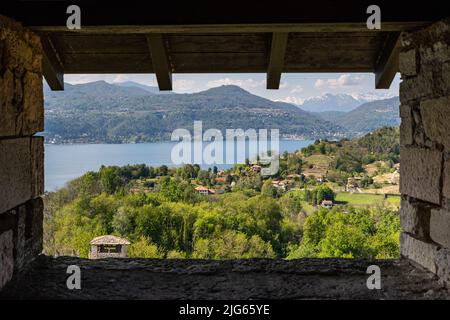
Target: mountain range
367, 117
331, 102
129, 112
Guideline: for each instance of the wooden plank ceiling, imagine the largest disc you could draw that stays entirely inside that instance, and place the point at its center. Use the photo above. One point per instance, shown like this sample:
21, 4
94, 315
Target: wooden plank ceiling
315, 37
217, 53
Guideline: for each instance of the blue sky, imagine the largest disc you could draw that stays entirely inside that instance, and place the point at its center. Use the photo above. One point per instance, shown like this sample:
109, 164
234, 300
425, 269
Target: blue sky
294, 88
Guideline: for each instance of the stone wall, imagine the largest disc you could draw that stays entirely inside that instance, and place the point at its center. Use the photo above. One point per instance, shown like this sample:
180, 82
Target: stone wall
21, 152
424, 64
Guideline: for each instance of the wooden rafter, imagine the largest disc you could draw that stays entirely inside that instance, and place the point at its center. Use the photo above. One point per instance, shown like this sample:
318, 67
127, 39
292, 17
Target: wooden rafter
51, 65
160, 61
276, 61
387, 63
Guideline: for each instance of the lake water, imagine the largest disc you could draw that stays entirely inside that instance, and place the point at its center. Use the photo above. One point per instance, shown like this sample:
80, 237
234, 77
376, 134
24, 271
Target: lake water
66, 162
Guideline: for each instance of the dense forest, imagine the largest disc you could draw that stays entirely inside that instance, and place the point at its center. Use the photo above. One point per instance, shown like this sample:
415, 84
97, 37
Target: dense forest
160, 211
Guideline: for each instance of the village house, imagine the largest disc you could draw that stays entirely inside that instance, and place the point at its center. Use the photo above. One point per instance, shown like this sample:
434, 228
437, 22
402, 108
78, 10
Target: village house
280, 184
202, 190
108, 246
207, 191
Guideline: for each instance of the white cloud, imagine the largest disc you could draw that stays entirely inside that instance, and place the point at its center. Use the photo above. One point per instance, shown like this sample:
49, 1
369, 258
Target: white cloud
284, 85
297, 89
345, 80
292, 100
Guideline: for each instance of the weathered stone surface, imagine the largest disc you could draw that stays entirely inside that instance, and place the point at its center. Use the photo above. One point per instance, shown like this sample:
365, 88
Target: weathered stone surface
37, 166
33, 104
436, 120
417, 87
19, 236
7, 111
406, 131
6, 257
446, 75
15, 172
440, 227
229, 279
405, 111
415, 218
22, 48
407, 63
446, 186
438, 52
21, 102
442, 262
423, 253
420, 173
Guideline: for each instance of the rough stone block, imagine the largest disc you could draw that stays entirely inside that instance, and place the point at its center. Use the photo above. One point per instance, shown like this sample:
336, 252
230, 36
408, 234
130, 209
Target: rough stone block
440, 227
446, 75
19, 236
422, 253
21, 94
37, 166
446, 186
21, 104
22, 47
6, 257
442, 262
8, 112
438, 52
407, 63
33, 104
415, 218
406, 131
15, 173
436, 120
417, 87
420, 173
405, 111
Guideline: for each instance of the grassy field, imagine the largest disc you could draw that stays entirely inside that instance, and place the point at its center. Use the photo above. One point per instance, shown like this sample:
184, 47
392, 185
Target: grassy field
319, 160
367, 200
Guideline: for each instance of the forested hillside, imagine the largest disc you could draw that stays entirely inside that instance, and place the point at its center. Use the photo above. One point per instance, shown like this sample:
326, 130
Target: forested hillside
103, 112
367, 117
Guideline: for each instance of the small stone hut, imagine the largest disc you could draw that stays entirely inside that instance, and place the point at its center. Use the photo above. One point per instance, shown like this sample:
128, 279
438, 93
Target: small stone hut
108, 246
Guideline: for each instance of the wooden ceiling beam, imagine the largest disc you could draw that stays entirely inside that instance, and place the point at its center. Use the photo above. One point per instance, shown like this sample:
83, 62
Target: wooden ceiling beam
234, 28
387, 62
276, 60
160, 61
51, 65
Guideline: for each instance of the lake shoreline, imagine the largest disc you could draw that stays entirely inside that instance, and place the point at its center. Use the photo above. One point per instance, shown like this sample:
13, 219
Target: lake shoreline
65, 162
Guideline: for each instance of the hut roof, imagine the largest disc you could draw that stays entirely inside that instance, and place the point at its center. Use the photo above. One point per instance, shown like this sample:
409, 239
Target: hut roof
109, 239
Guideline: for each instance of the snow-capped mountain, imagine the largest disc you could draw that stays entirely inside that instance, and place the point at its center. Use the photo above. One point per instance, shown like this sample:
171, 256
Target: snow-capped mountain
332, 102
339, 102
